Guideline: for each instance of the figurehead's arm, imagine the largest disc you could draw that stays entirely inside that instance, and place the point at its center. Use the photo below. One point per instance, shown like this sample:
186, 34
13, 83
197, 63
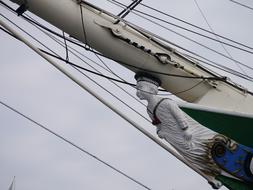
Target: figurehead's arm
178, 114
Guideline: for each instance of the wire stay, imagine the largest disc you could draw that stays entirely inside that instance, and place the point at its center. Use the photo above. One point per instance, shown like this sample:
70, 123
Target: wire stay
73, 144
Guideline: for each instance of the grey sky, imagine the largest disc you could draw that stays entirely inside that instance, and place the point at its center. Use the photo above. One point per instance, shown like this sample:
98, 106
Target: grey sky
41, 161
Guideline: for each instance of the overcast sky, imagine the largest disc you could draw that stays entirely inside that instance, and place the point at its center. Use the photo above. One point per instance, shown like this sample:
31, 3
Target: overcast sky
41, 161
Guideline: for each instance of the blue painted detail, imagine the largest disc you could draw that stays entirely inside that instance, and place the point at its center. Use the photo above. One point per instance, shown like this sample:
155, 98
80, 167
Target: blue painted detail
235, 162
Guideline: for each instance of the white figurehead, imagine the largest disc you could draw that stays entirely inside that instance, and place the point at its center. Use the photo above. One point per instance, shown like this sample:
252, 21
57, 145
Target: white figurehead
205, 149
188, 137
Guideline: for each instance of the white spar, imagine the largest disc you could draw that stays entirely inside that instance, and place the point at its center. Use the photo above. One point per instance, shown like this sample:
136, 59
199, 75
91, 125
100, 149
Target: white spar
135, 49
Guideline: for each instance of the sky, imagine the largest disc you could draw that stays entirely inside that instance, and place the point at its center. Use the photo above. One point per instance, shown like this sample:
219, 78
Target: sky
39, 160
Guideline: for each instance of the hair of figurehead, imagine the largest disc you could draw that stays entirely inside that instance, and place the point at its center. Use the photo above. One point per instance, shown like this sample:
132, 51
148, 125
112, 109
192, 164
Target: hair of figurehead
140, 76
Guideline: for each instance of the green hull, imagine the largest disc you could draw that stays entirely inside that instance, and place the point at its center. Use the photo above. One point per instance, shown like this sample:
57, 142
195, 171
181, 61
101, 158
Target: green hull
234, 184
236, 127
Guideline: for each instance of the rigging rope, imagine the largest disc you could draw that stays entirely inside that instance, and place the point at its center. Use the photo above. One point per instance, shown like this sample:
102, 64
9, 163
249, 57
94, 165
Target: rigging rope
128, 9
184, 28
102, 100
192, 25
245, 65
72, 41
66, 46
73, 144
86, 44
230, 83
222, 45
88, 49
79, 67
109, 78
241, 4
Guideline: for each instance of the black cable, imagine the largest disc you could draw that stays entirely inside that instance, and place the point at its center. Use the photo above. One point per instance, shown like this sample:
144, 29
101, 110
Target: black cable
246, 77
6, 31
245, 65
126, 9
70, 63
195, 26
214, 64
243, 5
88, 49
211, 78
189, 30
90, 71
171, 75
222, 45
107, 77
129, 9
73, 144
124, 81
29, 34
187, 90
109, 70
220, 67
133, 85
55, 33
83, 27
138, 113
78, 67
66, 45
121, 80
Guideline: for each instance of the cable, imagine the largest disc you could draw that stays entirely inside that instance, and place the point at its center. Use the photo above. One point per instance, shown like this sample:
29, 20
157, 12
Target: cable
70, 40
29, 35
66, 46
73, 144
88, 49
84, 32
215, 64
243, 5
138, 113
245, 65
128, 9
217, 78
181, 92
192, 25
80, 67
246, 77
222, 45
107, 77
113, 108
220, 67
188, 30
131, 7
121, 80
6, 31
77, 67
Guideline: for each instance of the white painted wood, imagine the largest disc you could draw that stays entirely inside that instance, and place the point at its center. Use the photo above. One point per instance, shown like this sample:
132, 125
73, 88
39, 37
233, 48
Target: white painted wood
106, 37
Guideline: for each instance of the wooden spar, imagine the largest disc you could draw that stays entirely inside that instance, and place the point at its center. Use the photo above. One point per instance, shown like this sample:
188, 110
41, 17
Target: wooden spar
134, 49
106, 103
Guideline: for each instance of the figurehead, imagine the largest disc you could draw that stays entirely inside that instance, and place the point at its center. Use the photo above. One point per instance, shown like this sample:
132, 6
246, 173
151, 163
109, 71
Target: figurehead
147, 85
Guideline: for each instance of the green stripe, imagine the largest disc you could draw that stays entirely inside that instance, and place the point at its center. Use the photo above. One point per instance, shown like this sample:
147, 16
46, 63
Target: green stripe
234, 184
238, 128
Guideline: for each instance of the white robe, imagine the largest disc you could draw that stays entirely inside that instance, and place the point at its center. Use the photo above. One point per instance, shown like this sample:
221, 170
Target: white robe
192, 140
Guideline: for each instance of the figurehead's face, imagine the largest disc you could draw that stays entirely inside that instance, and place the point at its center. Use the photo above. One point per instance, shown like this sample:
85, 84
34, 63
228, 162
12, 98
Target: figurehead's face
146, 89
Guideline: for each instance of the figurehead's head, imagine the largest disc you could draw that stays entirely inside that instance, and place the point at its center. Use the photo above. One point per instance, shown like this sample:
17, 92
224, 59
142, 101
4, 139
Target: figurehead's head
147, 85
